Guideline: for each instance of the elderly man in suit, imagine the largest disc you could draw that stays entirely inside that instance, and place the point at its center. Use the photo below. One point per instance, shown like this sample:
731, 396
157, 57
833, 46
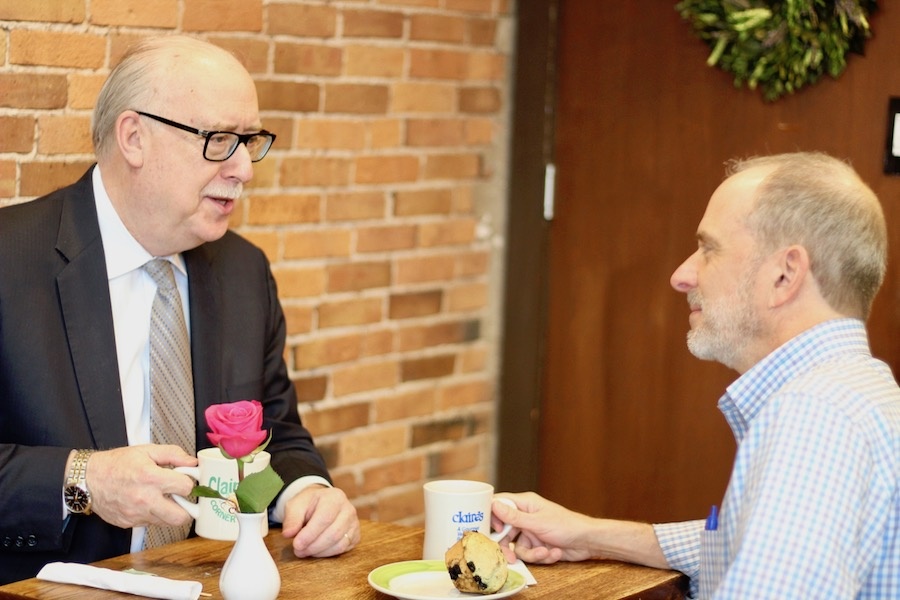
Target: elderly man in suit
176, 129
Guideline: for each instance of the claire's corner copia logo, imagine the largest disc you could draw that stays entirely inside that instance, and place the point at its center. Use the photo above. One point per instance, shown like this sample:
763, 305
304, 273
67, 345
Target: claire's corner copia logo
466, 518
225, 487
222, 509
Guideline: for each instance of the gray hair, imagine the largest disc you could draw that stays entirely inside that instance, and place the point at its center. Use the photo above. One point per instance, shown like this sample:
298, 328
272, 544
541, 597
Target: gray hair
821, 203
134, 82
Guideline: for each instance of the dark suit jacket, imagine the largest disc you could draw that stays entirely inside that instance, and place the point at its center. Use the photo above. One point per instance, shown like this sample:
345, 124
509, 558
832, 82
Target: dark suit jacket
59, 379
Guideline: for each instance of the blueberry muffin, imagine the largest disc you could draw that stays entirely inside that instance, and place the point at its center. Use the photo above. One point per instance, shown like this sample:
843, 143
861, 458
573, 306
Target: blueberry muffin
476, 564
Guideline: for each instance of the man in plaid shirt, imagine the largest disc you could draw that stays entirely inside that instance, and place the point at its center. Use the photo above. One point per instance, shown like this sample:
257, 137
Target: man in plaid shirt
791, 252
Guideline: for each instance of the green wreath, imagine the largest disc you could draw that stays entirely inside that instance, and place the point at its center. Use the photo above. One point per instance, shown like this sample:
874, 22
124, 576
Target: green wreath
780, 46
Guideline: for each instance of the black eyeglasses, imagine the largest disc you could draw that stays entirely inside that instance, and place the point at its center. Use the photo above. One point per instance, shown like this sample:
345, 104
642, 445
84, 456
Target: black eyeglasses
220, 145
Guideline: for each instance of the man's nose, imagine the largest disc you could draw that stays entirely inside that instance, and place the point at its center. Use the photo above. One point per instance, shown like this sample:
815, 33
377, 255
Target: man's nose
239, 165
684, 279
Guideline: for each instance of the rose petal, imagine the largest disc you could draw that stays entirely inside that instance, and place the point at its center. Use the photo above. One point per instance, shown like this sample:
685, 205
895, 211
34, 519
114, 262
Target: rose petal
236, 427
239, 446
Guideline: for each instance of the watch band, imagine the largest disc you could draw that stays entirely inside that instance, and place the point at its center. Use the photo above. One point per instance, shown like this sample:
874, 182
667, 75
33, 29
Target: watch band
78, 471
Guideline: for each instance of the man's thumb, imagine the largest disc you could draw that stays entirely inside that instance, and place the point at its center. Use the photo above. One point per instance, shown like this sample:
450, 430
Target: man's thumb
505, 510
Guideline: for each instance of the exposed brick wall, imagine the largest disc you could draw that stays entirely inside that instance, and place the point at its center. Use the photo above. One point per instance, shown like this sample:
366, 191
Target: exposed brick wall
380, 207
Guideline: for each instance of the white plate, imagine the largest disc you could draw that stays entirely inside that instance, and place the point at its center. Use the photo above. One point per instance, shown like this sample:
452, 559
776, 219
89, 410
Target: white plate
428, 580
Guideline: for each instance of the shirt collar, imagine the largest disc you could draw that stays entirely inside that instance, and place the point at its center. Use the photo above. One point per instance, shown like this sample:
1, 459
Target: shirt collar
129, 254
747, 395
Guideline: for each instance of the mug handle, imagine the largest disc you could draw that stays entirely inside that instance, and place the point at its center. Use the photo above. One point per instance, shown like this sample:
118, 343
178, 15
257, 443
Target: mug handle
499, 535
191, 508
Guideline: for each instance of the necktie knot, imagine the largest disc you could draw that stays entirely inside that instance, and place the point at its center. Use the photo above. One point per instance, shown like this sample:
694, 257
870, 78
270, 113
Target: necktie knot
161, 272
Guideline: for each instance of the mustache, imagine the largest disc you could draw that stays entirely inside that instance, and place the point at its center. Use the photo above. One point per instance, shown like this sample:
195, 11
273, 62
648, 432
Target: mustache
694, 298
230, 192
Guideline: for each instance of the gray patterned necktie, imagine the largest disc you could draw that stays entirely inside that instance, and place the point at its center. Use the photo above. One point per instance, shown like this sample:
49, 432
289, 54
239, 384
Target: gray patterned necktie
171, 380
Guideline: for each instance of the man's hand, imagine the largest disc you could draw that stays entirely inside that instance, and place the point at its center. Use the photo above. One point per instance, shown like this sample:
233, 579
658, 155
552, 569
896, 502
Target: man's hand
545, 532
322, 522
129, 486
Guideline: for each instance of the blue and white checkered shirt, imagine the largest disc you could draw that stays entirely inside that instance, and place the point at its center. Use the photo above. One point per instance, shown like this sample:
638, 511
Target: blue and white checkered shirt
813, 506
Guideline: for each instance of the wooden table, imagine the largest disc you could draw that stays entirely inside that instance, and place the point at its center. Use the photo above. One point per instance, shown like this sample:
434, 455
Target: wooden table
345, 577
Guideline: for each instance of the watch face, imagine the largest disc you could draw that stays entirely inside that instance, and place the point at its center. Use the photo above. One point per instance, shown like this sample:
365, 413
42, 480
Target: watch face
77, 500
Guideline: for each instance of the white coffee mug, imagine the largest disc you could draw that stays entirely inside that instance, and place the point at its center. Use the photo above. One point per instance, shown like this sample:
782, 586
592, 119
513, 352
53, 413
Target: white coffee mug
452, 507
215, 518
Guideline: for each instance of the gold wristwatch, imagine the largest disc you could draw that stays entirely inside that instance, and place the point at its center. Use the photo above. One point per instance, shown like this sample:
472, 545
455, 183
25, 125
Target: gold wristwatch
76, 495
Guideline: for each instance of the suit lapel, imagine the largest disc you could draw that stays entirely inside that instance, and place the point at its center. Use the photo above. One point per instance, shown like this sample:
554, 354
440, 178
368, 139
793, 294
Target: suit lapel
206, 338
87, 313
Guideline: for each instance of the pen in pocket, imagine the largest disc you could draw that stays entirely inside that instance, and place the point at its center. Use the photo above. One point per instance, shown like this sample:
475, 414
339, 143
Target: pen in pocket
712, 521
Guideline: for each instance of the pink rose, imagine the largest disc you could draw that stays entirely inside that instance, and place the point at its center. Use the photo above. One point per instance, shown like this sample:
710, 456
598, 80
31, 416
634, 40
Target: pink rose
236, 427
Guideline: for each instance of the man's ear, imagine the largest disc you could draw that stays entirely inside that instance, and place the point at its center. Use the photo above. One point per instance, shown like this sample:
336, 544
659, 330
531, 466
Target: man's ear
128, 132
790, 272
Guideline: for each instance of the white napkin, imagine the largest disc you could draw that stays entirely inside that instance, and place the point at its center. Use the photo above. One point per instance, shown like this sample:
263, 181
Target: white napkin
130, 583
520, 568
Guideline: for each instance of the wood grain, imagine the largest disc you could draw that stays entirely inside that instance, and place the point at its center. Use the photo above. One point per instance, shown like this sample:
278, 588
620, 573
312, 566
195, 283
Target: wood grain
345, 577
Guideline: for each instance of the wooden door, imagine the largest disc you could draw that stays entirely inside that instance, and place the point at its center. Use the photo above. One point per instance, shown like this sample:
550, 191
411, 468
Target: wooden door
627, 424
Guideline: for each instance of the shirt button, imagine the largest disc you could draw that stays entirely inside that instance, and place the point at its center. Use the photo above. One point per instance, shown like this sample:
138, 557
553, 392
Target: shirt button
32, 541
7, 542
20, 541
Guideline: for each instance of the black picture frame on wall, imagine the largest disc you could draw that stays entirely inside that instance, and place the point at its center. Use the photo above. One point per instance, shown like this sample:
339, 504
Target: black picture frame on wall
892, 142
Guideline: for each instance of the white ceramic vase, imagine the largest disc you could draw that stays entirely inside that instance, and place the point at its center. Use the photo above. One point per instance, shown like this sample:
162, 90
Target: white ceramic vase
250, 572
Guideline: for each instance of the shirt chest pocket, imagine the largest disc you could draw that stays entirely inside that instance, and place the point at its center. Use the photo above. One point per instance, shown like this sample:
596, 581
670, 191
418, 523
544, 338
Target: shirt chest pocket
712, 561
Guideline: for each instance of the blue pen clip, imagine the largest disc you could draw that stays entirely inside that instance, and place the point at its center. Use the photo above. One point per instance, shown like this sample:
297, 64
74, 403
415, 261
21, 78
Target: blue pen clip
712, 521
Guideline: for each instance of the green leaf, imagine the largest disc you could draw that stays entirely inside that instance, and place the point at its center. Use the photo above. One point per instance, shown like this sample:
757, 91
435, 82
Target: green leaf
257, 490
202, 491
779, 45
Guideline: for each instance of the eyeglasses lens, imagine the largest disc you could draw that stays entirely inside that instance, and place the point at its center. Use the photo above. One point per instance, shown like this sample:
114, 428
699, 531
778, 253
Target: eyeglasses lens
221, 145
258, 146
